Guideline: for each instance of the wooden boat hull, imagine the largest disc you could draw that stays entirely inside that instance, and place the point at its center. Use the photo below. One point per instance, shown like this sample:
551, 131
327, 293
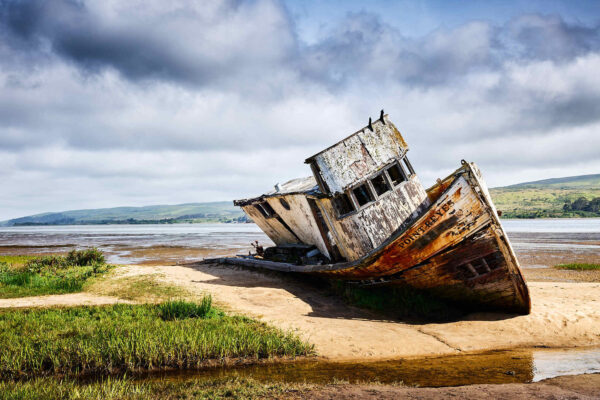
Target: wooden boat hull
456, 249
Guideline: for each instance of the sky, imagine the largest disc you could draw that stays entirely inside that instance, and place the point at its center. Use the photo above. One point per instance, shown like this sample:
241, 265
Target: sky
111, 103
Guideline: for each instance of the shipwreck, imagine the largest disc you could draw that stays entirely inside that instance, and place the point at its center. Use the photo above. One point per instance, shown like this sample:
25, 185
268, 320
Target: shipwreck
363, 216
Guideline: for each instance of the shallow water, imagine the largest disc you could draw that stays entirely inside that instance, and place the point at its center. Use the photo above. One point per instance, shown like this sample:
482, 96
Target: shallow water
132, 244
538, 243
516, 366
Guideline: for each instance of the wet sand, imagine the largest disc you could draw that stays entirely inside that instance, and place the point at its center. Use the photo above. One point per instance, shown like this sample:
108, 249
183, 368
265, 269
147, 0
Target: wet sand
563, 387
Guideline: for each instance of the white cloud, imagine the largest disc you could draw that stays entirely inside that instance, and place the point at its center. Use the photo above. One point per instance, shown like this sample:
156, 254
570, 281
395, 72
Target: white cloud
115, 104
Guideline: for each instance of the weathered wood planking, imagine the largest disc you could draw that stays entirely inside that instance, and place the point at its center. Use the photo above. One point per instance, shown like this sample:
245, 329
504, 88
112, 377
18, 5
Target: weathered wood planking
366, 229
354, 158
300, 219
274, 229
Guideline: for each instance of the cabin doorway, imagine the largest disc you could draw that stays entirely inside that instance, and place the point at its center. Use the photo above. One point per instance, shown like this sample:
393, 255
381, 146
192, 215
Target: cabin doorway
334, 252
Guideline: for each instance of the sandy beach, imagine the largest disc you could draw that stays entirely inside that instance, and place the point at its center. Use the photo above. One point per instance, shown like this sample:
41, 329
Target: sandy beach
564, 314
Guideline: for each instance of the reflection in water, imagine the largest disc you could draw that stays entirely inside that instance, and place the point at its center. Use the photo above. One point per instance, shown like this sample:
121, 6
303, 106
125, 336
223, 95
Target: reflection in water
516, 366
548, 364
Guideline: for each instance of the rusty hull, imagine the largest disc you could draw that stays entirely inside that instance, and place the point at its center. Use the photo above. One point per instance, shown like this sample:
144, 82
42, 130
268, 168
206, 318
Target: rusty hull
457, 249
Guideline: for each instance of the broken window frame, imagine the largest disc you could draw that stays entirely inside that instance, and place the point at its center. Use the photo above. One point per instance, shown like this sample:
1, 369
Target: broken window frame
370, 194
350, 202
408, 165
386, 183
396, 164
374, 196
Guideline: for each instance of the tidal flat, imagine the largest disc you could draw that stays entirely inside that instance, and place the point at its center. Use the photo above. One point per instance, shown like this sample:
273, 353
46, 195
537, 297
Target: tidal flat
159, 265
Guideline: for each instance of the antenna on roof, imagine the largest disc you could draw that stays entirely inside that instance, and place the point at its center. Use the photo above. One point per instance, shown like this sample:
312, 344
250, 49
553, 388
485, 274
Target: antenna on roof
370, 125
381, 117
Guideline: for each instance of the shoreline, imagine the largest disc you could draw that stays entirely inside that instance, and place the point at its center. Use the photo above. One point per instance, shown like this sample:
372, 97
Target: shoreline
564, 314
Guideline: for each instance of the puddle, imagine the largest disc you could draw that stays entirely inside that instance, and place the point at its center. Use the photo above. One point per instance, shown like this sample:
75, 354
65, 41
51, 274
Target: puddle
515, 366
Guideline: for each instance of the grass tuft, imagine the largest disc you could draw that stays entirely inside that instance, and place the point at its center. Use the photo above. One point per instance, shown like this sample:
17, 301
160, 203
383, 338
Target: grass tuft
181, 309
51, 274
579, 266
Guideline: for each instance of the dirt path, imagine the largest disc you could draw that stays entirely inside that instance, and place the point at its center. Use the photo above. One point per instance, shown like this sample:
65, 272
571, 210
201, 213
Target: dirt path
71, 299
565, 314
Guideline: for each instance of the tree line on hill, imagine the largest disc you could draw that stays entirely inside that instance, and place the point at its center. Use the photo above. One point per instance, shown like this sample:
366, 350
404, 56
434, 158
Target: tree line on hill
583, 204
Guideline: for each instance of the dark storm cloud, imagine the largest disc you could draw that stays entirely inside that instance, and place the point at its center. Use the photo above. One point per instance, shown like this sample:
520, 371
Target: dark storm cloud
177, 45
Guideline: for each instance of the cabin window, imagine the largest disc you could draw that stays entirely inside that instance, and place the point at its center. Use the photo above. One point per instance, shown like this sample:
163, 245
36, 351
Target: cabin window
284, 203
343, 204
409, 166
363, 194
380, 184
396, 174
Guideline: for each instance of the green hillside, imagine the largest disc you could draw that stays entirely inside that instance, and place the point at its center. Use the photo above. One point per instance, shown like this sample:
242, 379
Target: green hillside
223, 211
574, 196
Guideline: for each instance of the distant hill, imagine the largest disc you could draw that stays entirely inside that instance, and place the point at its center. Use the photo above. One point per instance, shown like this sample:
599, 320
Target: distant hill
222, 211
569, 182
572, 196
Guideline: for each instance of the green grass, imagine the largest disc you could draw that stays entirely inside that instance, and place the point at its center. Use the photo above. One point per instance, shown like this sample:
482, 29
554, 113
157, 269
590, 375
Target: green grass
579, 267
128, 389
181, 309
21, 277
541, 202
16, 261
123, 337
398, 302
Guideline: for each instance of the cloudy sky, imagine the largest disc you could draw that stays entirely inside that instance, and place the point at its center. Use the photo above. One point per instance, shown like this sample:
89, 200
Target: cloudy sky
108, 103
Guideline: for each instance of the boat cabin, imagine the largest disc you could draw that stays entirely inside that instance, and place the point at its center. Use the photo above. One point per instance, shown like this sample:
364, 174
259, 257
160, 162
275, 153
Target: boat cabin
362, 190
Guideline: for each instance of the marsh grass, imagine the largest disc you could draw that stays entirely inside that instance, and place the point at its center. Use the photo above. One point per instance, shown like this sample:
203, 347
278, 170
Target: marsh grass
398, 302
181, 309
125, 388
16, 261
579, 267
123, 337
50, 274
